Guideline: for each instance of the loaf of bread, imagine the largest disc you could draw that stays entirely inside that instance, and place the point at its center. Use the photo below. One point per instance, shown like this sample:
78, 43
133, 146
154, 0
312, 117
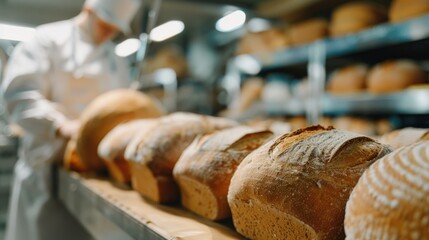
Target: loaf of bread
391, 199
404, 137
71, 159
391, 76
112, 148
308, 31
154, 154
261, 42
401, 10
356, 16
205, 168
297, 186
104, 113
350, 79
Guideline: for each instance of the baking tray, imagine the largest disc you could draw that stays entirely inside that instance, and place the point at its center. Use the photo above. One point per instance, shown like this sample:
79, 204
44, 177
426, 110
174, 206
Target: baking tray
109, 212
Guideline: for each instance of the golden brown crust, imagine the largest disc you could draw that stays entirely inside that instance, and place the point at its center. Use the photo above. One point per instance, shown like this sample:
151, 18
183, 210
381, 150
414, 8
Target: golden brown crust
308, 31
401, 10
205, 168
112, 147
356, 16
306, 175
391, 76
161, 147
103, 114
350, 79
72, 161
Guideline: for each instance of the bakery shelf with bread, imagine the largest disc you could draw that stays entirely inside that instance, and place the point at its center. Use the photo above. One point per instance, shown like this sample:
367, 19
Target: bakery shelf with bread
379, 36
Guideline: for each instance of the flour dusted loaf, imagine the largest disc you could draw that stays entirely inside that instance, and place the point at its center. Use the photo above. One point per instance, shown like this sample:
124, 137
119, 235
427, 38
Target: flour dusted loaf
350, 79
401, 10
297, 186
356, 16
391, 76
404, 137
205, 168
154, 154
104, 113
391, 199
112, 148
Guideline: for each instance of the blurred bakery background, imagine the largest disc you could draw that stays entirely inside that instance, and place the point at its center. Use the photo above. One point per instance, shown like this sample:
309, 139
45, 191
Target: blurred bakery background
360, 66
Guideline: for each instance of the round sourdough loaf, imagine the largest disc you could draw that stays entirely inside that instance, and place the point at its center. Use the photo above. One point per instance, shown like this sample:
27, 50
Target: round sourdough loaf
356, 16
401, 10
391, 76
154, 154
391, 199
297, 186
104, 113
404, 137
350, 79
205, 168
112, 148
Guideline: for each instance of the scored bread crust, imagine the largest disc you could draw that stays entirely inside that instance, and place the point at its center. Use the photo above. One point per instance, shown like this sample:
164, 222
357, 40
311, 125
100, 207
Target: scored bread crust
391, 199
205, 168
111, 149
156, 153
305, 178
104, 113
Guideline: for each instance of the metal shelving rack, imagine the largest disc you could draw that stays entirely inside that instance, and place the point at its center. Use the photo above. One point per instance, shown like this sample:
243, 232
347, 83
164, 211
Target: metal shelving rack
379, 36
109, 212
413, 101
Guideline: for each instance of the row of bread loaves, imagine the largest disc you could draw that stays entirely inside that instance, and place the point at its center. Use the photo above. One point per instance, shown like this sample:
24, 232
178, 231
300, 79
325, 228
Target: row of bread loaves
388, 76
295, 186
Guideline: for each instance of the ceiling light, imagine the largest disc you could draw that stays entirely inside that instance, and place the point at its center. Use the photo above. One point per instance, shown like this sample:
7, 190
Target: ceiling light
231, 21
166, 30
16, 33
127, 47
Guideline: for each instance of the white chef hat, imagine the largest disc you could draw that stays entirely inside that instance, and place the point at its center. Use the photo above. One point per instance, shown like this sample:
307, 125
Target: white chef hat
117, 12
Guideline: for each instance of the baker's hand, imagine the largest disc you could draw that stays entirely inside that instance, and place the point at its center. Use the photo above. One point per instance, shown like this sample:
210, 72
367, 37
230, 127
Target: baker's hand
68, 129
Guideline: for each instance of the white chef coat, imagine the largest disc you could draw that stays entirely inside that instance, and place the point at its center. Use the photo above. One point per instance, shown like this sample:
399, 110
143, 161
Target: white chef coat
48, 80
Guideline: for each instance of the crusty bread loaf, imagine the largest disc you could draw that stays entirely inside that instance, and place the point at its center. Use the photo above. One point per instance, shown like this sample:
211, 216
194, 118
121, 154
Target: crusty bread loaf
391, 199
308, 31
356, 16
71, 159
205, 168
404, 137
112, 148
391, 76
401, 10
154, 155
350, 79
104, 113
296, 187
